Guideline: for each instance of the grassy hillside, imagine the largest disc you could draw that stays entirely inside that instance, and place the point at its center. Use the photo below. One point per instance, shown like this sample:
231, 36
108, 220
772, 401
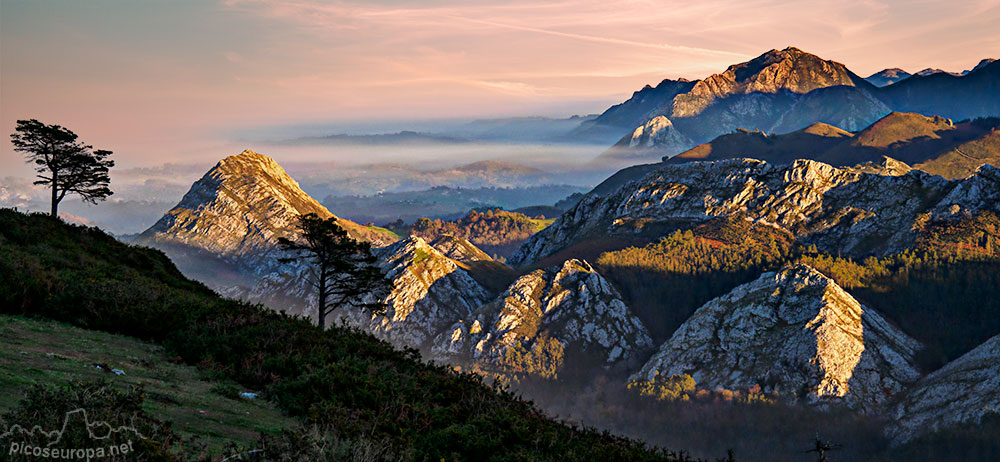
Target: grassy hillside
340, 380
34, 351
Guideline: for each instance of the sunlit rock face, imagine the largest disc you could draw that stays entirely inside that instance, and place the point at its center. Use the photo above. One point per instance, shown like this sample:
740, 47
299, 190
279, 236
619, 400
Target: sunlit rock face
963, 391
795, 332
658, 132
239, 209
789, 69
571, 304
839, 210
430, 291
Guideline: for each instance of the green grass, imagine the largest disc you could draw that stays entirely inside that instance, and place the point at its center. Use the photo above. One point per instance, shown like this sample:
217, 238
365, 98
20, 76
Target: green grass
49, 352
386, 231
542, 224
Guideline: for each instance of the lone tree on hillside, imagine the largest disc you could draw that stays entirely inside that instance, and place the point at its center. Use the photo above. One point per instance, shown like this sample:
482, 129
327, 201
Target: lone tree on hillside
63, 163
343, 270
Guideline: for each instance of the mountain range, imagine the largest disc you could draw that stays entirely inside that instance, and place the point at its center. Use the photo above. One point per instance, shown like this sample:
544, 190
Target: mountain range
782, 91
793, 331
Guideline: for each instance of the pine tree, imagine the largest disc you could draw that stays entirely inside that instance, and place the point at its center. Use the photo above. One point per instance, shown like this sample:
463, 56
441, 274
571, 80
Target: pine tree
343, 270
63, 163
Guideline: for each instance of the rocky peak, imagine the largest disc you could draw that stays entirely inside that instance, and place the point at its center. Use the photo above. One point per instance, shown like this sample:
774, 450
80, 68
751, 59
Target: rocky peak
962, 391
571, 304
658, 133
430, 291
240, 208
795, 332
790, 69
982, 63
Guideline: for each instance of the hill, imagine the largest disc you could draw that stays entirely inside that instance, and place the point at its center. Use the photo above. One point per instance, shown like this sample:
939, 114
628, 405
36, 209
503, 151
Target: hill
337, 379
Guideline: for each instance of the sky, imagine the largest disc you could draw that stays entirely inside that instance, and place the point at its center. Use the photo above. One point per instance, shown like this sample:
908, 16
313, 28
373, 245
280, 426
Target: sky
160, 81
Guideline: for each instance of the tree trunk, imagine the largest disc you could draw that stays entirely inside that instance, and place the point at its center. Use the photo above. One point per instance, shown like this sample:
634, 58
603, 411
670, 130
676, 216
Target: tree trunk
55, 200
321, 311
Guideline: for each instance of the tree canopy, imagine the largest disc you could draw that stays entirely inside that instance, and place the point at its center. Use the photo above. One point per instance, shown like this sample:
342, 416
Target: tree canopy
343, 270
64, 163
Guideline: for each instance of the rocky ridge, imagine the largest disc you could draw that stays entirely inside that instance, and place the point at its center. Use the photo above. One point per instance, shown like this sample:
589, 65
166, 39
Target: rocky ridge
795, 332
962, 391
780, 90
571, 304
429, 292
839, 210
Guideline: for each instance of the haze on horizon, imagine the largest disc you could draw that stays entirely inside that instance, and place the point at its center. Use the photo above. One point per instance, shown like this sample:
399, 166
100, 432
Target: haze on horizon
182, 80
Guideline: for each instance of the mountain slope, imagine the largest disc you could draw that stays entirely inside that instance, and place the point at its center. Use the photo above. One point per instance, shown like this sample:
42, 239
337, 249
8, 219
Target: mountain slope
839, 210
237, 211
795, 332
789, 69
932, 144
975, 94
567, 310
429, 292
963, 391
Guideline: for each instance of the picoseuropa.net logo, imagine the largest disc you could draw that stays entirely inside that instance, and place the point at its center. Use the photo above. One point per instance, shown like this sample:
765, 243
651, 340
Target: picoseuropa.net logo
106, 441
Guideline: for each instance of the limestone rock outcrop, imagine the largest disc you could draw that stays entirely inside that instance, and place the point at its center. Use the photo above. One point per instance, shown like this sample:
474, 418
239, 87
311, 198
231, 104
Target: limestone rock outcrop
795, 332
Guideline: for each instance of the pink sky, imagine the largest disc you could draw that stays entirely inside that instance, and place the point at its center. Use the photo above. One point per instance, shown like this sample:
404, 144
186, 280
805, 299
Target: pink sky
168, 81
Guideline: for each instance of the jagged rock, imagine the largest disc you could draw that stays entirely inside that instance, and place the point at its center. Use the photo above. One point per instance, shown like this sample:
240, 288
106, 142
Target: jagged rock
839, 210
429, 293
795, 332
888, 167
571, 304
962, 391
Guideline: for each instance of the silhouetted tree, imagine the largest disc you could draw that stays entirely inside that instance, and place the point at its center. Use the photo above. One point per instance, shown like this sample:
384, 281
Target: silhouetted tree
343, 269
821, 448
63, 163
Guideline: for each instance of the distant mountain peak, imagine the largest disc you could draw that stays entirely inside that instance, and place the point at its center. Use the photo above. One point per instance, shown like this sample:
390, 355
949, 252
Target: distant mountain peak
887, 77
790, 69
